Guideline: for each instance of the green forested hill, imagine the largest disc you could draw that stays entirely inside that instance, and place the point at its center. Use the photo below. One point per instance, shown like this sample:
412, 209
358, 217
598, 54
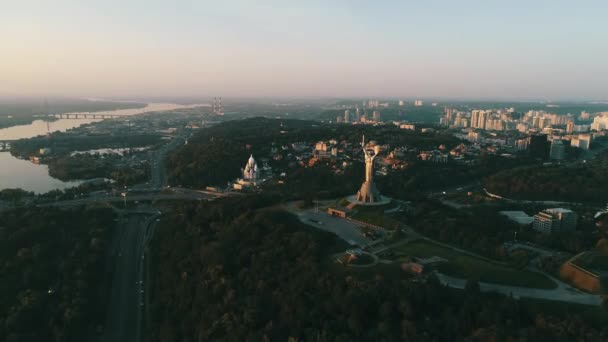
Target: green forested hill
51, 273
235, 271
586, 182
216, 155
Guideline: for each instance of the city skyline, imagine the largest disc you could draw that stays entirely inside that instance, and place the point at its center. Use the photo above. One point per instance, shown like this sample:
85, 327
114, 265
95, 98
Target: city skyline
547, 51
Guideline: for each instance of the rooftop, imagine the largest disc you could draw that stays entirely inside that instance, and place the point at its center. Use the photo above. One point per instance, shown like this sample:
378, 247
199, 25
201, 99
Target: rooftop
519, 217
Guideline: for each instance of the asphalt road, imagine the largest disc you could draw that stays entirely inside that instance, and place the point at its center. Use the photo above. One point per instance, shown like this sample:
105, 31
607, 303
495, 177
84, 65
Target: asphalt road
158, 173
124, 311
563, 292
152, 196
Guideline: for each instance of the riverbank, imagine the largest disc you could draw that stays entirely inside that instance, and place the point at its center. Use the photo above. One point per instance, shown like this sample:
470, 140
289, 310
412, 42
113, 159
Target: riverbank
24, 111
21, 173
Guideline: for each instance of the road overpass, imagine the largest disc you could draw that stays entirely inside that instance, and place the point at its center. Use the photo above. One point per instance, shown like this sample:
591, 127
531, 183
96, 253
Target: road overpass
191, 195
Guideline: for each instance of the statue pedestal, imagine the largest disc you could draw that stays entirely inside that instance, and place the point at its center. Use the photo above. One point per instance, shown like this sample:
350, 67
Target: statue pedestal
368, 193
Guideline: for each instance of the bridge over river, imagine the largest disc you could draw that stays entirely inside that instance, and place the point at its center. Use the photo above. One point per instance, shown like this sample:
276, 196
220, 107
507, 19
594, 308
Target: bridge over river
87, 116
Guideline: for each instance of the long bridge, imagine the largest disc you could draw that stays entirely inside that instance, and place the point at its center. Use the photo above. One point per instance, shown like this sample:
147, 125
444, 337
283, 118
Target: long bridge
87, 116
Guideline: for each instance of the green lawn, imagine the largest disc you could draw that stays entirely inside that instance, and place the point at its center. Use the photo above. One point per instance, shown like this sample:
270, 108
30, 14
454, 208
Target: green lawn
375, 215
466, 266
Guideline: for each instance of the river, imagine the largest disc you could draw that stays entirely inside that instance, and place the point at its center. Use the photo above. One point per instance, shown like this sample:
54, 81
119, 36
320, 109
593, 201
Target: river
17, 173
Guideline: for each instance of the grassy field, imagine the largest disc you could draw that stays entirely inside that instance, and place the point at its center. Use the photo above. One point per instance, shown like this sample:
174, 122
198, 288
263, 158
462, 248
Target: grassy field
466, 266
375, 215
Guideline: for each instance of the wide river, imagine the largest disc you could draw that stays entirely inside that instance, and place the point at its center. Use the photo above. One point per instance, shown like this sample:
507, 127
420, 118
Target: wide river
17, 173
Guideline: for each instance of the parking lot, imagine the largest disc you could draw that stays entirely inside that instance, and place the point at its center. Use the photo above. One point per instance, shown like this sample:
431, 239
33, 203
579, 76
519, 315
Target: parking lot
347, 231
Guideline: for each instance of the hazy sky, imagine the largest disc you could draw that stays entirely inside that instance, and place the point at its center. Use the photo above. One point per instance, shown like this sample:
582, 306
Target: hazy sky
475, 49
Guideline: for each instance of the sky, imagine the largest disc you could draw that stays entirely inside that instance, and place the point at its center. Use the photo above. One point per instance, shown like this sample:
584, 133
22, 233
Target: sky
486, 49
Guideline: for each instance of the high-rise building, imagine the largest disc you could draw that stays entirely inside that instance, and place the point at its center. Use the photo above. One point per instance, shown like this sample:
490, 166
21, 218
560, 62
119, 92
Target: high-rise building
401, 103
539, 146
522, 144
218, 109
373, 103
461, 122
346, 116
570, 127
544, 122
483, 118
376, 115
600, 122
582, 141
555, 220
558, 150
418, 103
449, 115
475, 118
522, 127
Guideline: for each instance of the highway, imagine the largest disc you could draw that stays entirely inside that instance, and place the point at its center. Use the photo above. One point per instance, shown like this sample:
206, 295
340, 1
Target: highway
125, 315
149, 196
123, 321
157, 172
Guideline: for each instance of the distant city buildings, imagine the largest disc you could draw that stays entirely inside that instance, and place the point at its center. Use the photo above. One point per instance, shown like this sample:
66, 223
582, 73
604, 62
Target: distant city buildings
373, 104
600, 122
555, 220
418, 103
434, 156
531, 122
218, 109
376, 116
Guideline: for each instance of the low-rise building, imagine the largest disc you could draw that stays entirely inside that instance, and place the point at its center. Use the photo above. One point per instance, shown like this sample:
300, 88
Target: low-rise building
555, 220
